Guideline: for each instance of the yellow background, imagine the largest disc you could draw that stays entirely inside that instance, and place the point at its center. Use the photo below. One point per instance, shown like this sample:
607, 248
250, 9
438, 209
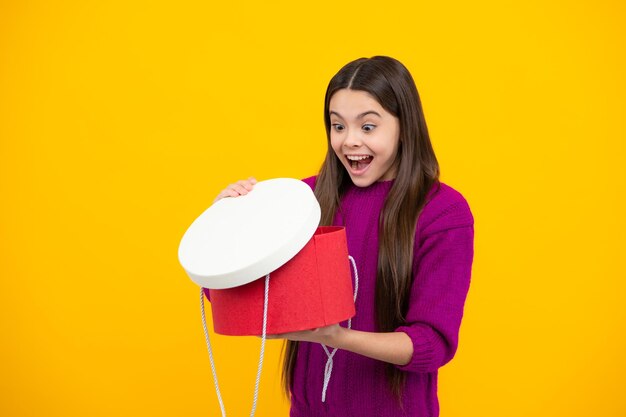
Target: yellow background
121, 121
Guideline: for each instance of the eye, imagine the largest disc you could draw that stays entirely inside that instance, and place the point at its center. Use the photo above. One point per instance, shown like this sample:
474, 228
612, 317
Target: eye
370, 125
337, 127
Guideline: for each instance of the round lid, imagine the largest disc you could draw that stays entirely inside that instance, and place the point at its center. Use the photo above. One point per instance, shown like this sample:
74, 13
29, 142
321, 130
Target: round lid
240, 239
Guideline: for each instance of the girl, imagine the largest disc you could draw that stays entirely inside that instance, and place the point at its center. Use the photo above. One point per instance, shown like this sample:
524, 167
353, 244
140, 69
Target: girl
412, 238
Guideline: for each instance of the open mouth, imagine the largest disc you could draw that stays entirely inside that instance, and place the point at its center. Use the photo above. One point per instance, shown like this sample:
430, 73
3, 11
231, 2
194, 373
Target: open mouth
361, 164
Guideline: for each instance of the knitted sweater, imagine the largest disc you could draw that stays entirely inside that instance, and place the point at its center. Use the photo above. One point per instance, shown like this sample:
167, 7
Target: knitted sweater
443, 255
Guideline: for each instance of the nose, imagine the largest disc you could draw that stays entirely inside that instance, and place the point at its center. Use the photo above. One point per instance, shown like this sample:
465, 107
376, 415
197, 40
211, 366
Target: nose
353, 139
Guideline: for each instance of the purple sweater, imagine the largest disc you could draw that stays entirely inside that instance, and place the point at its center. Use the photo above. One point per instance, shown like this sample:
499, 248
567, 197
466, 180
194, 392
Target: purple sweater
443, 255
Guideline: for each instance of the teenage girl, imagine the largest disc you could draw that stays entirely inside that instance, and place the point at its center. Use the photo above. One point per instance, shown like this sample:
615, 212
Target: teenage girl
412, 238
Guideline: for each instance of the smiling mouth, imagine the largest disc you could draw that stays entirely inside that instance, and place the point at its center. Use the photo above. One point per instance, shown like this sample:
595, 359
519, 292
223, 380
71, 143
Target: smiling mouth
359, 165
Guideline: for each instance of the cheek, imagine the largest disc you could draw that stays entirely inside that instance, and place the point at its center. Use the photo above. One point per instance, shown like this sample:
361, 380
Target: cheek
389, 154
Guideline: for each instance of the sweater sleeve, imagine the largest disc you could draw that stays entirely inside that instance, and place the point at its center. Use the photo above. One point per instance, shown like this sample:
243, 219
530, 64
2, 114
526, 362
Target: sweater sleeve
439, 289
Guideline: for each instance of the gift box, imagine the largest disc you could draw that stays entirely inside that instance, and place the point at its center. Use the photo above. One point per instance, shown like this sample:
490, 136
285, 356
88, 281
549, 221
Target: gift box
313, 289
274, 229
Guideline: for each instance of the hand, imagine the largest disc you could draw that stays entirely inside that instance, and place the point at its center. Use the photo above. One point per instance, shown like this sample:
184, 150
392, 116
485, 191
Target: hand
235, 190
328, 335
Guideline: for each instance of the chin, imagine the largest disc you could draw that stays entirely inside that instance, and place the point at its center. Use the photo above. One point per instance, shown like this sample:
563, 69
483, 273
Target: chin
362, 182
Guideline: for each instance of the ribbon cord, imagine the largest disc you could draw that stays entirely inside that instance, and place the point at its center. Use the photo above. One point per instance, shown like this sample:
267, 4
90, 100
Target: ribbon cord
328, 369
263, 337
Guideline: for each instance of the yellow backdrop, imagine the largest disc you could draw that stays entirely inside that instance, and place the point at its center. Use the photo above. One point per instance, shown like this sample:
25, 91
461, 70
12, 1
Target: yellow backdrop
121, 121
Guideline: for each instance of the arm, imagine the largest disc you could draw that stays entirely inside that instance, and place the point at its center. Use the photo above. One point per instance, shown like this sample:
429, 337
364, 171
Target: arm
438, 293
393, 347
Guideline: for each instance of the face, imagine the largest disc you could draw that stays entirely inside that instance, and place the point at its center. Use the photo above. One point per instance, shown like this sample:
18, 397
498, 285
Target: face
364, 136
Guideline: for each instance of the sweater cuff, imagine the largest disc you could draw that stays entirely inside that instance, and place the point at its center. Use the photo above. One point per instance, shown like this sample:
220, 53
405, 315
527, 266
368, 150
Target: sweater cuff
427, 349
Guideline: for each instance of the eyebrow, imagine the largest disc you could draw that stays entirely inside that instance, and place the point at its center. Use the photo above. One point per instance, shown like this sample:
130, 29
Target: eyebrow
360, 115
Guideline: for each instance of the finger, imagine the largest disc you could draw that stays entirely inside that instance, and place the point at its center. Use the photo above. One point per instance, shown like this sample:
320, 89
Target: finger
222, 194
246, 184
239, 189
254, 181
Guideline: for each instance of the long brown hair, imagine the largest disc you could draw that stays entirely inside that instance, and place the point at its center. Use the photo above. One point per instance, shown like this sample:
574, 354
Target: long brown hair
391, 84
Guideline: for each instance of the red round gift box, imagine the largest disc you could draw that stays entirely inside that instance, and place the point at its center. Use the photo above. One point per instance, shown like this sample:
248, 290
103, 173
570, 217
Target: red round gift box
313, 289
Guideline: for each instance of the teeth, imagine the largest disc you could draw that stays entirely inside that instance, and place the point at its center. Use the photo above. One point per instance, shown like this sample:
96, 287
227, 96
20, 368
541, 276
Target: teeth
356, 158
